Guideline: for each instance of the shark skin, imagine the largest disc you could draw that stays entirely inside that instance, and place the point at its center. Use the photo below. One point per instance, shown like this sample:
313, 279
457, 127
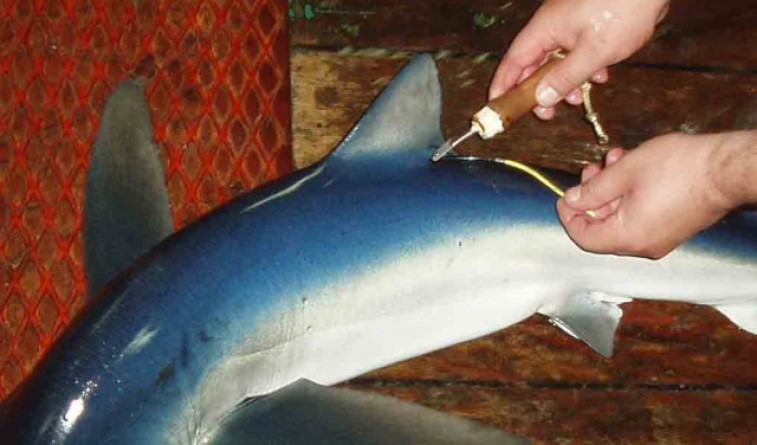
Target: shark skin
372, 256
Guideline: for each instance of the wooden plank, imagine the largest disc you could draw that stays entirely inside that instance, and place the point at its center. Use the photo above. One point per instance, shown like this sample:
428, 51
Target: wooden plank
590, 415
696, 33
332, 90
329, 94
657, 344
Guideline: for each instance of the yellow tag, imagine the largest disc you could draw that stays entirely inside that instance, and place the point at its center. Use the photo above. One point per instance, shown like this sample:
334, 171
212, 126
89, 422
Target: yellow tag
539, 177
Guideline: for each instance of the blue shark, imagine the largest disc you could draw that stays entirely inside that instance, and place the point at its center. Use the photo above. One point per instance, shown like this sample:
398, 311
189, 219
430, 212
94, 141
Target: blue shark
372, 256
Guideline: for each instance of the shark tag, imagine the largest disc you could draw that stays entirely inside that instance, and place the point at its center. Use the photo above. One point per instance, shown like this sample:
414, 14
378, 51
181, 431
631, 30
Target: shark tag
589, 316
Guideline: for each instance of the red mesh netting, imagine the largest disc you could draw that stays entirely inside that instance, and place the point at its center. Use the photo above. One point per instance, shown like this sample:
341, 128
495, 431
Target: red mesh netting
218, 84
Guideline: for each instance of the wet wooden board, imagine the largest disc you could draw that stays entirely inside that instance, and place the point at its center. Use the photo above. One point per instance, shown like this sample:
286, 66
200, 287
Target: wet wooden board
681, 374
576, 414
696, 33
658, 345
331, 91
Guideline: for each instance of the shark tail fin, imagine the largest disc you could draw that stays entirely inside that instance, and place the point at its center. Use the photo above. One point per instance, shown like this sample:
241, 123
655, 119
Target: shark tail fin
126, 206
306, 413
589, 316
743, 315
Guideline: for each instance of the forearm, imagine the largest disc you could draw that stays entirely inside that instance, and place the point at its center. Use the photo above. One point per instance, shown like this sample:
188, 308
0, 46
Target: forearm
734, 168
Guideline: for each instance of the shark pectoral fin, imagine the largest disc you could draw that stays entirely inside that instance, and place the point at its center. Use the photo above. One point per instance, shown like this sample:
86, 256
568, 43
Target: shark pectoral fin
743, 314
589, 316
306, 413
126, 210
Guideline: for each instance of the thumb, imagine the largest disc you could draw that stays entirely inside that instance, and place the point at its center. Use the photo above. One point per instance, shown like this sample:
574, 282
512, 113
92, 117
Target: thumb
568, 74
602, 189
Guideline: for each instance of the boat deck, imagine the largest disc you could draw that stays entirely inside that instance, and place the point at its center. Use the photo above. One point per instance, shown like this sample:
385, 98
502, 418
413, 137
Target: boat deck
681, 373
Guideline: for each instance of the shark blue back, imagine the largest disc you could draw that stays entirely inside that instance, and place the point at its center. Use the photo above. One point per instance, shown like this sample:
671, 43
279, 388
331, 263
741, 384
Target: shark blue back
148, 361
371, 256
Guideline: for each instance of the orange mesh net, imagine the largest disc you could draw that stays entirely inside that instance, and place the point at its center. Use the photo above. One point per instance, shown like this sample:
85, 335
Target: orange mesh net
217, 78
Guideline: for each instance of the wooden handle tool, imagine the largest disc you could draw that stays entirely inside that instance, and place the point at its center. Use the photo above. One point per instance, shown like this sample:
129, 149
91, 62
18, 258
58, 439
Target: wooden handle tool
500, 113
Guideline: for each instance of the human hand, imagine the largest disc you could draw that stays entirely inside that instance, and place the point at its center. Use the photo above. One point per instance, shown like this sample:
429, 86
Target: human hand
598, 33
650, 200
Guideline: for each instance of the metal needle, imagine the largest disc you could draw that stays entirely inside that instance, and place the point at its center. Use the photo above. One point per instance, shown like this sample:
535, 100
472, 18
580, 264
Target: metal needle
450, 144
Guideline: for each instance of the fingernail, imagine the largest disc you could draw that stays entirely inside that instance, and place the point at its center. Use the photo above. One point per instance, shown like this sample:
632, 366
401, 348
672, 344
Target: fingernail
598, 77
546, 96
540, 110
574, 97
573, 194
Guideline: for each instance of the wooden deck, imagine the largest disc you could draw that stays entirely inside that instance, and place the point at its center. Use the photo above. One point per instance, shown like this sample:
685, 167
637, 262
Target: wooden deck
681, 373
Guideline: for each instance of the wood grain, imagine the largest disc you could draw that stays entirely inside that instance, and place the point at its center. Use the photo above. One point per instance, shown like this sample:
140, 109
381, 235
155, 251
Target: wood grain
590, 415
658, 344
332, 90
696, 33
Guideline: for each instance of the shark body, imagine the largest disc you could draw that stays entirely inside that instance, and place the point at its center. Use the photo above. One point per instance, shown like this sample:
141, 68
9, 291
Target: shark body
372, 256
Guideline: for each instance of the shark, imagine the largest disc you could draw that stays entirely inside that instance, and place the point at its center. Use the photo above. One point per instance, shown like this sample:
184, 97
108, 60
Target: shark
235, 328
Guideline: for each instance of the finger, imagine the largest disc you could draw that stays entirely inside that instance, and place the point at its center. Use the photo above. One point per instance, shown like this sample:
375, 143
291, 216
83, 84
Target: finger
600, 236
504, 78
600, 76
590, 171
567, 75
512, 69
527, 71
544, 114
613, 156
575, 97
607, 210
611, 208
605, 187
528, 48
566, 214
587, 173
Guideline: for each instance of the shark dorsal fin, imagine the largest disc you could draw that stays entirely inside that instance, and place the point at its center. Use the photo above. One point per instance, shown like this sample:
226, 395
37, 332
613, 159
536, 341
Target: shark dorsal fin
405, 116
